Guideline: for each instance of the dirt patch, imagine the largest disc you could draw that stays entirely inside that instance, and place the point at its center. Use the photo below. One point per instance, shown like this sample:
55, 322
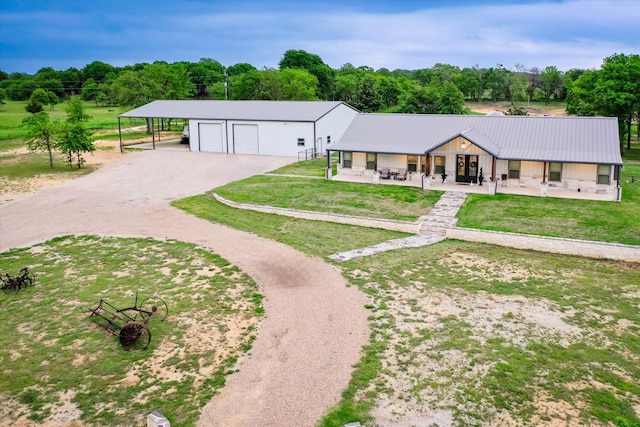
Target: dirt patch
15, 189
500, 108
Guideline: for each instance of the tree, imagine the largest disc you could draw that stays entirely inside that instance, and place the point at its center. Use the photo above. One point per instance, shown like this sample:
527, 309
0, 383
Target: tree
534, 82
617, 90
41, 134
245, 85
89, 90
314, 65
581, 94
450, 100
367, 99
97, 71
551, 82
75, 110
298, 85
420, 100
39, 98
74, 140
3, 96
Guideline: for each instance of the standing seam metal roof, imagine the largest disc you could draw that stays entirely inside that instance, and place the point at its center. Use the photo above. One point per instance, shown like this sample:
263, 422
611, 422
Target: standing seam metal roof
556, 139
289, 111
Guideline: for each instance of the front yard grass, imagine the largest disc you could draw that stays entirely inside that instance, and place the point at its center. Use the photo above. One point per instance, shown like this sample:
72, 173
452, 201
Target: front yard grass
577, 219
377, 201
475, 333
54, 357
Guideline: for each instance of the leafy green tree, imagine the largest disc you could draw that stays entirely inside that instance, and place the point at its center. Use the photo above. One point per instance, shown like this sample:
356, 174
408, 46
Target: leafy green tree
270, 85
367, 99
204, 74
41, 134
52, 99
298, 85
518, 86
468, 82
72, 81
241, 68
346, 87
581, 96
551, 82
450, 99
75, 140
618, 90
3, 96
21, 89
388, 89
420, 100
97, 71
314, 65
245, 85
75, 111
534, 83
38, 99
89, 90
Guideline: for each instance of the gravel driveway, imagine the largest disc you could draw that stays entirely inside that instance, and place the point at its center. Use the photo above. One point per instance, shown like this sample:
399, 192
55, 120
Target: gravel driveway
314, 326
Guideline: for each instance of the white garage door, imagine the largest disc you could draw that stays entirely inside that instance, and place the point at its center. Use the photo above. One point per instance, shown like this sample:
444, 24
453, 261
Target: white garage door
245, 139
211, 137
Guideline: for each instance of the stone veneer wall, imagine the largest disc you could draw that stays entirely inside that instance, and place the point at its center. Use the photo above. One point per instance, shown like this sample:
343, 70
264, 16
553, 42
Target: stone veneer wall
614, 251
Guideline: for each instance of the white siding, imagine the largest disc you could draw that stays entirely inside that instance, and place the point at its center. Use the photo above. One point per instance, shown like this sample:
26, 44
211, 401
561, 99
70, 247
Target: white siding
395, 161
333, 124
281, 138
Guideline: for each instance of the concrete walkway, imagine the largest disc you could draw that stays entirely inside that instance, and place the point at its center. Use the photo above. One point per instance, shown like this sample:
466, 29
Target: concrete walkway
434, 227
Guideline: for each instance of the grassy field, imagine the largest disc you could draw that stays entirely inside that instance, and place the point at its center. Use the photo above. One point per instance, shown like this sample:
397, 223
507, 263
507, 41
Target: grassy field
54, 358
475, 332
578, 219
101, 118
378, 201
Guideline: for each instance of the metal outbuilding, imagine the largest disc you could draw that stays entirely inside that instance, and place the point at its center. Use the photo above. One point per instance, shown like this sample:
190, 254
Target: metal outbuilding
279, 128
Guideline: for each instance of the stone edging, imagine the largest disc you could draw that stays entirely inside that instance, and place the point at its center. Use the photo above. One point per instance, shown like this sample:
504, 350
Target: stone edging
585, 248
387, 224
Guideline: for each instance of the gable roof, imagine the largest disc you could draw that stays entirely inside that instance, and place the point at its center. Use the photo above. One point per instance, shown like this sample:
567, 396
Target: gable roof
556, 139
289, 111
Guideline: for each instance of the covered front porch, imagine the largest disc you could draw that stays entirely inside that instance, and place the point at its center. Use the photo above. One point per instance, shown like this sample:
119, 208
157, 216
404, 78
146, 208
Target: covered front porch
429, 183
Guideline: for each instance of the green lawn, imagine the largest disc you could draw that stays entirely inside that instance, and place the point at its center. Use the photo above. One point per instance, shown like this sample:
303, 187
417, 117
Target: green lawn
52, 352
378, 201
101, 118
454, 327
578, 219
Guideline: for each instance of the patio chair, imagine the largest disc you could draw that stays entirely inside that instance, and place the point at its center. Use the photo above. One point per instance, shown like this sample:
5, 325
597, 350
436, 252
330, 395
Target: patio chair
385, 173
402, 175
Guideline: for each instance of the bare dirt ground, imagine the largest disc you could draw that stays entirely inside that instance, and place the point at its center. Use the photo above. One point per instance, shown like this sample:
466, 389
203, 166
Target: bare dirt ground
488, 108
314, 327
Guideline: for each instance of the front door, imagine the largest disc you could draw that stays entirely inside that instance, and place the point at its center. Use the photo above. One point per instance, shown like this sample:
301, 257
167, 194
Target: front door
467, 170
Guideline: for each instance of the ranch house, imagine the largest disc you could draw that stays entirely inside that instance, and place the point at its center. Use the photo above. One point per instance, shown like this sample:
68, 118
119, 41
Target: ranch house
556, 156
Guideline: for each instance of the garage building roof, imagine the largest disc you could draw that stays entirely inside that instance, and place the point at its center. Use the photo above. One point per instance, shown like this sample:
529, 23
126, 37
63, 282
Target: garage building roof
286, 111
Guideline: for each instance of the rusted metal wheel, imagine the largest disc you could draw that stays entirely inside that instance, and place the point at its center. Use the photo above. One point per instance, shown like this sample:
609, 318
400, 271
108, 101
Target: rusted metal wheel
134, 336
157, 306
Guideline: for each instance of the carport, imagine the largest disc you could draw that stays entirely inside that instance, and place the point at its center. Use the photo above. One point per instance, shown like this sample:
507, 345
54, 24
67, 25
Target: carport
156, 119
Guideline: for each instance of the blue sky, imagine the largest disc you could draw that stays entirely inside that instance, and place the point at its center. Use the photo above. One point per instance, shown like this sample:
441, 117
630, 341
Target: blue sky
391, 34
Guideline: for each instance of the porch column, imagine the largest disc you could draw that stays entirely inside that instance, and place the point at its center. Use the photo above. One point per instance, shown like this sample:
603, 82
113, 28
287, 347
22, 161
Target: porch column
493, 168
544, 173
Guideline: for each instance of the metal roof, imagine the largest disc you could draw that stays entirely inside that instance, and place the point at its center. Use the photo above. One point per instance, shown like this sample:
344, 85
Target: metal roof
289, 111
556, 139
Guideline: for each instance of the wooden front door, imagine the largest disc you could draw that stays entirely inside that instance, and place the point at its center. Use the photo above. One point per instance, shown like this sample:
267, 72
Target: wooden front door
467, 168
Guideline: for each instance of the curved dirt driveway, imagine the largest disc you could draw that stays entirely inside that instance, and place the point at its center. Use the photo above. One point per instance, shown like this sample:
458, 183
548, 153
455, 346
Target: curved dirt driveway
314, 326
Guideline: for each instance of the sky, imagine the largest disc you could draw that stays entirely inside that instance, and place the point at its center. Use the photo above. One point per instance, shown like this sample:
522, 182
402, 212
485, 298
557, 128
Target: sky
392, 34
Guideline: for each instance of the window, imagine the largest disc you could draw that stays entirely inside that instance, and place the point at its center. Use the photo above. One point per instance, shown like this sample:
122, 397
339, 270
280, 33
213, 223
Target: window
346, 159
371, 161
604, 174
412, 163
328, 139
439, 162
300, 142
514, 169
555, 171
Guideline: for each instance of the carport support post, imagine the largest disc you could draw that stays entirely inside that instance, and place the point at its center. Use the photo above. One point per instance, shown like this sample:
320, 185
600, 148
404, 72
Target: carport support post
328, 173
120, 134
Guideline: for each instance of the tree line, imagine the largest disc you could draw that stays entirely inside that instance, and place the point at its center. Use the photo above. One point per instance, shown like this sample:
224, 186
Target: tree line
612, 90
